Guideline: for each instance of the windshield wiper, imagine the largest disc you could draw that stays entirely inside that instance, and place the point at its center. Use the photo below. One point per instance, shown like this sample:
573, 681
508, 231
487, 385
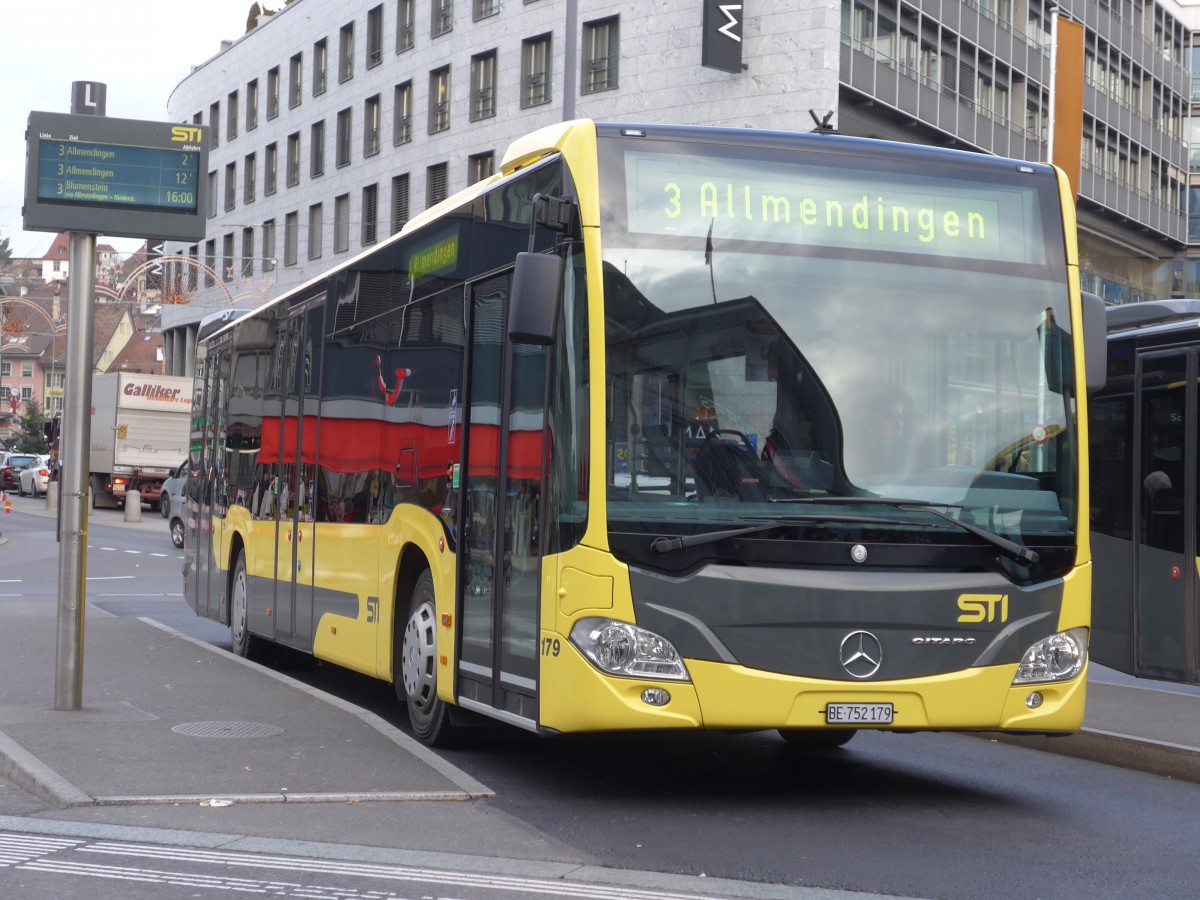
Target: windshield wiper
1022, 554
662, 545
1019, 552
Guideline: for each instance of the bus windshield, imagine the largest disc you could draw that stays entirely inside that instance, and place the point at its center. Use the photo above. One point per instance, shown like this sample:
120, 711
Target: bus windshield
786, 324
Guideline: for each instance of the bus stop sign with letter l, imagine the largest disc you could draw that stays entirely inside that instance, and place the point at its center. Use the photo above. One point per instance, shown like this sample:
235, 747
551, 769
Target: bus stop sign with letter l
117, 177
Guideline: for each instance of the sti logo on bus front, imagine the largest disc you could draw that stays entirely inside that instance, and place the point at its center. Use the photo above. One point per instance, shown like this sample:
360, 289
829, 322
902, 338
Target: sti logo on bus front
983, 607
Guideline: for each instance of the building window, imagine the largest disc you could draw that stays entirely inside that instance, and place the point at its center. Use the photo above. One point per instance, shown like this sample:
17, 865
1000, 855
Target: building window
535, 71
930, 64
370, 214
439, 100
600, 55
214, 124
346, 52
405, 13
399, 201
228, 265
345, 120
247, 252
270, 169
341, 223
252, 105
291, 232
212, 193
231, 116
1002, 102
315, 227
443, 17
273, 92
374, 36
480, 166
909, 53
295, 79
230, 186
317, 150
402, 114
210, 262
371, 113
249, 174
320, 66
486, 8
483, 86
984, 94
293, 159
436, 184
268, 245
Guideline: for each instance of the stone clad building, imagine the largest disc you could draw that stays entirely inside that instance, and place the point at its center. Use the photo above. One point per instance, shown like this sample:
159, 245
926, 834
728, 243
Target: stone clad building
330, 125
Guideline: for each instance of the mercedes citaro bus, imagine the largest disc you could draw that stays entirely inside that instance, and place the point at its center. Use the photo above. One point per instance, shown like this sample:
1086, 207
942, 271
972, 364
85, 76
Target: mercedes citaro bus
673, 428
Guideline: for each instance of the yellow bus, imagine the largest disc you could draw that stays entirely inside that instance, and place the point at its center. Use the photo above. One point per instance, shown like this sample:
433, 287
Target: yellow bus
669, 427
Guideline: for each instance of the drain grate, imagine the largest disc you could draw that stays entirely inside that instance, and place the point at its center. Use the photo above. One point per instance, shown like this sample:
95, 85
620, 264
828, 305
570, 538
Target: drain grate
227, 729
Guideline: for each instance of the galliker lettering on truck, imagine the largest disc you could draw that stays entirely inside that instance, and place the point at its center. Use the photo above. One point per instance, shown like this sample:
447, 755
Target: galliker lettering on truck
153, 392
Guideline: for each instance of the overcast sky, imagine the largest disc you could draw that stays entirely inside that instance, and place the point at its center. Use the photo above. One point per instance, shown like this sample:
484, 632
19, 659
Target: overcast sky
140, 50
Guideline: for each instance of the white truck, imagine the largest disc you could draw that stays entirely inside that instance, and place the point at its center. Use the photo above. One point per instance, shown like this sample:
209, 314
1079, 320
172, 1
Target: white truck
140, 430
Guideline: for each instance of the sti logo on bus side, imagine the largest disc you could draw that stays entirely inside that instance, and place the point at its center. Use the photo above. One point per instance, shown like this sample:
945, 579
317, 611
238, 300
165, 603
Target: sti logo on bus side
186, 133
983, 607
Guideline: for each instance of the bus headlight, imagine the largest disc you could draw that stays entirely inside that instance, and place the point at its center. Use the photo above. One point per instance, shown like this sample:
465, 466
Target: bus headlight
1059, 657
619, 648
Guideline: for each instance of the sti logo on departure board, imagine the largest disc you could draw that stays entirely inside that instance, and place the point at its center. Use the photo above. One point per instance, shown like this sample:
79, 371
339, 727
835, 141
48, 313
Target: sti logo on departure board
116, 177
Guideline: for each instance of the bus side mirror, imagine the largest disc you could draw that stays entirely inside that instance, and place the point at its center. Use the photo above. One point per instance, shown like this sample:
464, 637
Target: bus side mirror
1095, 342
536, 295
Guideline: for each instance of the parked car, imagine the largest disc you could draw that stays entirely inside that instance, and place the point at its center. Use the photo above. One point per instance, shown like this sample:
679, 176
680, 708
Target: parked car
34, 479
175, 504
10, 473
176, 479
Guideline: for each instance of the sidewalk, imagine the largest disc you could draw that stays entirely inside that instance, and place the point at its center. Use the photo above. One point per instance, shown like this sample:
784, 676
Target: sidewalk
178, 734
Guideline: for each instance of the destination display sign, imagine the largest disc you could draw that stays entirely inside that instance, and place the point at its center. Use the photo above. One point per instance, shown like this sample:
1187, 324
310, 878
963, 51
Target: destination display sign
117, 177
831, 206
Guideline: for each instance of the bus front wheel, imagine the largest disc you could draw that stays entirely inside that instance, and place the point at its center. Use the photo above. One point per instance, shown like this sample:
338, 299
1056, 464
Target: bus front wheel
414, 668
243, 643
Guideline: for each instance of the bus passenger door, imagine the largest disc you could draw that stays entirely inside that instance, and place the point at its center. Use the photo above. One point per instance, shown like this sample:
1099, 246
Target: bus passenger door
499, 564
198, 539
297, 481
1164, 621
213, 505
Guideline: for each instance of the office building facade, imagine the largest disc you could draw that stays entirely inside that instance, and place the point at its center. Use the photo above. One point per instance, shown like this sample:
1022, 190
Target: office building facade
330, 125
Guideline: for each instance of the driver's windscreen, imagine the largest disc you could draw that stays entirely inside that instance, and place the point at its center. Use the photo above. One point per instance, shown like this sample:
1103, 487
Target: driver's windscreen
743, 375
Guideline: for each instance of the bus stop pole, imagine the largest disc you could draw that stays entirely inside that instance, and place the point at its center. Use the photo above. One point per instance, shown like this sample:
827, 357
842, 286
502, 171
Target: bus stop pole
75, 441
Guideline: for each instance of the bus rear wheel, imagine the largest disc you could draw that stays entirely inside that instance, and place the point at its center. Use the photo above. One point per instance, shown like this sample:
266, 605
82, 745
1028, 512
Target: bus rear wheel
414, 668
817, 738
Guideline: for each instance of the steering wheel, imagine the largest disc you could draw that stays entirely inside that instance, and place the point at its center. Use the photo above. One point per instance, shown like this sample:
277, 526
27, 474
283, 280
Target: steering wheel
714, 435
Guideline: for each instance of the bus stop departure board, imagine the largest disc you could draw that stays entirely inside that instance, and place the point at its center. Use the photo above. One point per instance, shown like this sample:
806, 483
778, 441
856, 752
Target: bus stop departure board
117, 177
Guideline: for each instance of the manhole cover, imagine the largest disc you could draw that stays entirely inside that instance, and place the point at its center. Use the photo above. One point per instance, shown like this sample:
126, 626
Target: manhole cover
227, 729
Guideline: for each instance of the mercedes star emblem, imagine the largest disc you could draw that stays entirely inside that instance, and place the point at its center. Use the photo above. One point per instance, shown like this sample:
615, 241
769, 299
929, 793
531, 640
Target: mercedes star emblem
861, 654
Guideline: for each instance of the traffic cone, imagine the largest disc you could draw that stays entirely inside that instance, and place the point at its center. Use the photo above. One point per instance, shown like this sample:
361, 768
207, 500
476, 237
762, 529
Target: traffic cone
7, 504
